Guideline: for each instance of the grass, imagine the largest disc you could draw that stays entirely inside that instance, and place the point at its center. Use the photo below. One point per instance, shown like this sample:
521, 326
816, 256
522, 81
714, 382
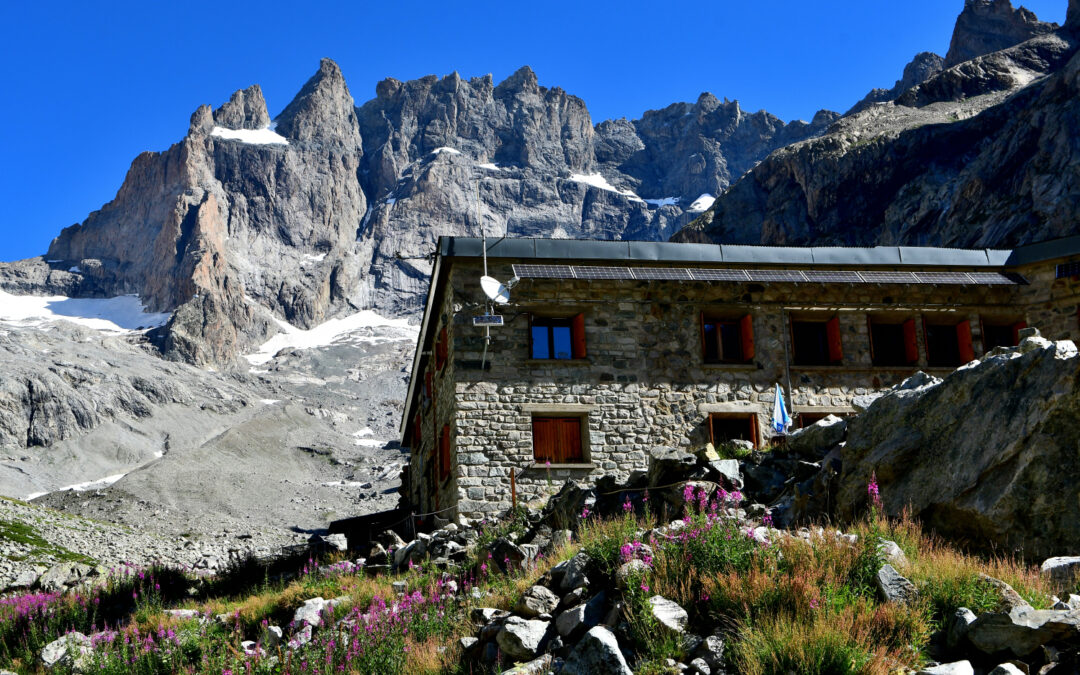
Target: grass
22, 533
786, 605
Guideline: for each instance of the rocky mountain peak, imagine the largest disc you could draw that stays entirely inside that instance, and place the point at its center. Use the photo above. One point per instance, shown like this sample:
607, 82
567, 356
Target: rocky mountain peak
323, 110
1072, 18
523, 80
245, 109
987, 26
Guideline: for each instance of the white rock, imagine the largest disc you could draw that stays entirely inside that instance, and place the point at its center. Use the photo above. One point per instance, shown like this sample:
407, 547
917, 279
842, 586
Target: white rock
669, 614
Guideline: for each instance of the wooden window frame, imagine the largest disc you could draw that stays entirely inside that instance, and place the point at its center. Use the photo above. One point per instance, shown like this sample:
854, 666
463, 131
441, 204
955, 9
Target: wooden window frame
910, 336
964, 346
554, 419
751, 419
576, 324
834, 343
745, 325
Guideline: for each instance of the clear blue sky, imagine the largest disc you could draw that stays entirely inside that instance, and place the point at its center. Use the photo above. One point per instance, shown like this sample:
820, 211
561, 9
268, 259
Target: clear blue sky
88, 88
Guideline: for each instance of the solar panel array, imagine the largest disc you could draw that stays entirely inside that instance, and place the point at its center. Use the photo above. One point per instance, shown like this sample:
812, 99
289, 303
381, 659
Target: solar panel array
623, 273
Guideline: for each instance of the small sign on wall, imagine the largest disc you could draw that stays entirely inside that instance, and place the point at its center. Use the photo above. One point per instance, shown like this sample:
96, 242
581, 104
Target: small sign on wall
488, 320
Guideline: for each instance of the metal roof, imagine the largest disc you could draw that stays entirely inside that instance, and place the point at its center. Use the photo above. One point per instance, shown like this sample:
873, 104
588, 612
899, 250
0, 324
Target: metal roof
647, 251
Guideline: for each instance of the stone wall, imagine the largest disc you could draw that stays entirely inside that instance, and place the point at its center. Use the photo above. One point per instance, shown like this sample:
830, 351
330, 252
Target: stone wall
644, 385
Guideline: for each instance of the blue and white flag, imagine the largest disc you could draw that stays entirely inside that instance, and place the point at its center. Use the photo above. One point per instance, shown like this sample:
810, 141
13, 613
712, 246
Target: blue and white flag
780, 418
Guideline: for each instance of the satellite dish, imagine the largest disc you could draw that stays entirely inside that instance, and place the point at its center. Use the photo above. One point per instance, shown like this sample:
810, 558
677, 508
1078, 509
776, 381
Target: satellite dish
494, 289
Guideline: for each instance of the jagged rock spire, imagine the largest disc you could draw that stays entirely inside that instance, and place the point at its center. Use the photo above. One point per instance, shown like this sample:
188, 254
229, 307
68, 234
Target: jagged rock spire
246, 109
322, 111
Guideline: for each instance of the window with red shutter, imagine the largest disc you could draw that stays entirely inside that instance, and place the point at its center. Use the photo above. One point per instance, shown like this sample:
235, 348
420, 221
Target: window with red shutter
947, 343
892, 341
733, 427
1001, 333
557, 440
816, 342
727, 340
557, 337
444, 453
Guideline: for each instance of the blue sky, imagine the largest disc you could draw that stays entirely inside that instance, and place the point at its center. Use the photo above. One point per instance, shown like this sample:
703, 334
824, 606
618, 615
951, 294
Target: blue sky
88, 88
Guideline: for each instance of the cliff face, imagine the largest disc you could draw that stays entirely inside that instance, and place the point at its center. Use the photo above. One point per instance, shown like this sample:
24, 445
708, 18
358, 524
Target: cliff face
987, 26
330, 208
980, 154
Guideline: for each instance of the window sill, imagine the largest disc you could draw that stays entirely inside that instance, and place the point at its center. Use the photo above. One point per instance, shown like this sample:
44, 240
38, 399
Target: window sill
730, 366
543, 467
557, 362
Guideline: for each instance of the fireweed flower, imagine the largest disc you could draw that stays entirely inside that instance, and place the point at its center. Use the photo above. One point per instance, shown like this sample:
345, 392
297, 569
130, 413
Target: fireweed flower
873, 491
585, 513
627, 506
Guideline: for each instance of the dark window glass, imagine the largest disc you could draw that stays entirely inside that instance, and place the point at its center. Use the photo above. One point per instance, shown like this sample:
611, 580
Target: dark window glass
889, 345
942, 346
552, 338
811, 343
723, 342
998, 336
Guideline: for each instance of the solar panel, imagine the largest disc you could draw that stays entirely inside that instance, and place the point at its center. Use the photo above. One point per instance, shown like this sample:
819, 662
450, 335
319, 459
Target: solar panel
888, 277
832, 276
661, 273
719, 275
621, 273
942, 277
776, 275
543, 271
596, 272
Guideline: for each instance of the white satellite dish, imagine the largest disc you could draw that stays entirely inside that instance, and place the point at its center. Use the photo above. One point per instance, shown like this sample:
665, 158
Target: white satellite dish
494, 289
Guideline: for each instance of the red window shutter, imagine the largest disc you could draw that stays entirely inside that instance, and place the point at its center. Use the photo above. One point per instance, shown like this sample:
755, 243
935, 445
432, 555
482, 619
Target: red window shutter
1016, 328
418, 429
568, 449
963, 341
444, 453
577, 336
870, 336
428, 383
704, 347
911, 344
832, 332
746, 332
754, 431
544, 439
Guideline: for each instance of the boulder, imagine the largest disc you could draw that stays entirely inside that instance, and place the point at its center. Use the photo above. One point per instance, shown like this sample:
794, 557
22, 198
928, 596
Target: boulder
580, 618
310, 613
1006, 669
818, 438
597, 653
538, 666
61, 575
1008, 598
955, 668
520, 638
892, 553
1022, 630
894, 587
711, 650
669, 614
957, 628
67, 652
535, 601
574, 572
629, 572
940, 449
728, 470
1063, 572
667, 467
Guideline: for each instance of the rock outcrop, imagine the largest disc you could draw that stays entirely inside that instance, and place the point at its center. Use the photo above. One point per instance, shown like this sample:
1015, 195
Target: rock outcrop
984, 456
973, 156
991, 25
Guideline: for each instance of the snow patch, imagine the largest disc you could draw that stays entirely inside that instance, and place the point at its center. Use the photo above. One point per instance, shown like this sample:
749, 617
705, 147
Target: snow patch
327, 333
369, 442
122, 314
366, 431
264, 136
269, 401
702, 203
598, 181
451, 151
76, 269
82, 487
490, 166
666, 201
315, 258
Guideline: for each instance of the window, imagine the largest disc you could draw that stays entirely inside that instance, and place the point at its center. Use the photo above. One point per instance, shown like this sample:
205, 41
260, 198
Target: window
442, 350
557, 440
727, 340
816, 343
1066, 270
428, 384
444, 453
893, 343
733, 427
418, 430
557, 337
1001, 333
948, 345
